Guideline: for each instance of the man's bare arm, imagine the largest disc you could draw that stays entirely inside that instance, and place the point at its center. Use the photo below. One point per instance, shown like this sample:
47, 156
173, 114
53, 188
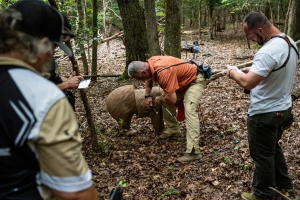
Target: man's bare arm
247, 81
70, 83
168, 98
148, 87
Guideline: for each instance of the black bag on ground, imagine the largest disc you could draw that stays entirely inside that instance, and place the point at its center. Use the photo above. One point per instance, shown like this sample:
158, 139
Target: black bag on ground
71, 98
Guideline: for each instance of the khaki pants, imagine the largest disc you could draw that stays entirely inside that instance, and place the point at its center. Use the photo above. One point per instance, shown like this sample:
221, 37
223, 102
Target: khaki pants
191, 102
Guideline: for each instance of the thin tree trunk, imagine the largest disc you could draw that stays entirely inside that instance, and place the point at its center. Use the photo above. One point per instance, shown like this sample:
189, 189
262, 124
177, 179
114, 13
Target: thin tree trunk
287, 17
153, 42
81, 46
87, 26
83, 96
271, 12
199, 19
106, 31
282, 11
104, 17
211, 24
95, 42
223, 20
267, 10
294, 17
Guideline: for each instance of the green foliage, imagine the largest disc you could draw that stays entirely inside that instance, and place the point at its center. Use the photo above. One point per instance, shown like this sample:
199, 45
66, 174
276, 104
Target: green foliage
230, 161
172, 191
245, 167
257, 46
102, 144
121, 121
180, 142
232, 128
160, 14
6, 3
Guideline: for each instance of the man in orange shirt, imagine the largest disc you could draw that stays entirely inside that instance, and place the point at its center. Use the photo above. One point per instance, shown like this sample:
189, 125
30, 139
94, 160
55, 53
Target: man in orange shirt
180, 81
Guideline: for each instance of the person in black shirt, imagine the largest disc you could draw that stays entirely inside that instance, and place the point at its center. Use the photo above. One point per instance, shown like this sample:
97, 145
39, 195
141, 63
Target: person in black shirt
65, 84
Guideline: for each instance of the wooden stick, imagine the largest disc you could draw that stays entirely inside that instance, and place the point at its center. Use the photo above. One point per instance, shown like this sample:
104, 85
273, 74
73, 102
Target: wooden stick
119, 34
223, 73
280, 193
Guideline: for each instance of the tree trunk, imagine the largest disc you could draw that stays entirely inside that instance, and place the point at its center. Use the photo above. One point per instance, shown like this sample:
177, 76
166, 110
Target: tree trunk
152, 33
83, 96
267, 11
104, 18
223, 19
211, 24
84, 37
135, 32
282, 10
95, 42
172, 29
287, 17
205, 17
87, 26
199, 19
272, 19
294, 18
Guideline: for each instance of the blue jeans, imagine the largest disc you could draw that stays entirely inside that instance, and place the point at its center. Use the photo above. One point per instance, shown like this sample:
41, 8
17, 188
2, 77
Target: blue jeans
264, 132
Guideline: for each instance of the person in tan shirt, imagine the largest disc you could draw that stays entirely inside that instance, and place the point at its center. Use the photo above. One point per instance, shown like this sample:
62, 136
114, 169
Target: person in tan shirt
40, 147
181, 81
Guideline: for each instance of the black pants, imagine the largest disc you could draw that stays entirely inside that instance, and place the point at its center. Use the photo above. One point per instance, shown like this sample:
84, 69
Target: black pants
264, 132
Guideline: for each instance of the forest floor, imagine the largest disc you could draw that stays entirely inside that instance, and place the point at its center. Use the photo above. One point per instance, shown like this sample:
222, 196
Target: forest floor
148, 164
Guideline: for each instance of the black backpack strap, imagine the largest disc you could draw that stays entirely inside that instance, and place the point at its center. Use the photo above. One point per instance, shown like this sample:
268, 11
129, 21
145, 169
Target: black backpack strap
167, 67
5, 68
288, 57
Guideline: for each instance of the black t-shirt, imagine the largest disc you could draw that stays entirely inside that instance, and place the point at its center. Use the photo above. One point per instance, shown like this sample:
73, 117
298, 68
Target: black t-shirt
55, 78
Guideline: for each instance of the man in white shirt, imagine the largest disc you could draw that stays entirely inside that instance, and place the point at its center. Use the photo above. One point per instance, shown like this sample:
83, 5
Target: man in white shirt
270, 80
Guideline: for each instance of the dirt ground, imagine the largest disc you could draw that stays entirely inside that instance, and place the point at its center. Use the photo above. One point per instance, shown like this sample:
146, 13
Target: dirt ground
148, 164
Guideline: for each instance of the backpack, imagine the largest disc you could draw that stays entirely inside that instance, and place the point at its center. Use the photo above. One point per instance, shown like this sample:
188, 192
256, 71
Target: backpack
204, 69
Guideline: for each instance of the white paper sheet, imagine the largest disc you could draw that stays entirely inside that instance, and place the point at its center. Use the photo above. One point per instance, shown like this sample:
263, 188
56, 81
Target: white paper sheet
84, 83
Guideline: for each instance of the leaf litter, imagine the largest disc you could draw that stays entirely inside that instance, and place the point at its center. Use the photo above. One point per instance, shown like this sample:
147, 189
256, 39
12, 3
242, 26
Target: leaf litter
148, 164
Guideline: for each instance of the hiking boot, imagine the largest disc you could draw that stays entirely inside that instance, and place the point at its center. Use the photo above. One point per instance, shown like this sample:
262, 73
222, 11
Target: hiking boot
250, 196
188, 157
166, 135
